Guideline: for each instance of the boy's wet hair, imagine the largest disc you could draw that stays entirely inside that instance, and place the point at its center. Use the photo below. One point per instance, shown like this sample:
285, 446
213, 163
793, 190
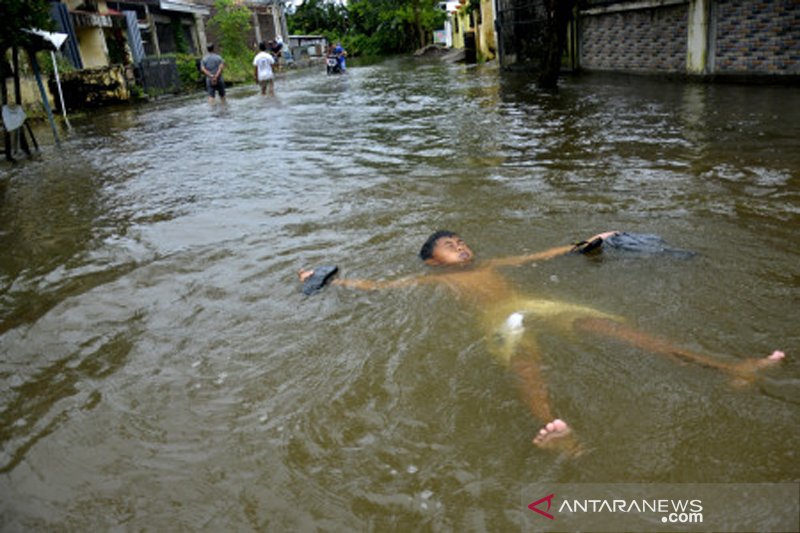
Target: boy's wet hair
210, 47
426, 252
262, 46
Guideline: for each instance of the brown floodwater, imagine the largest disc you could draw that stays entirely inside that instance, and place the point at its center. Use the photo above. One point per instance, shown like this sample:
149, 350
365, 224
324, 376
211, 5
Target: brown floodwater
161, 370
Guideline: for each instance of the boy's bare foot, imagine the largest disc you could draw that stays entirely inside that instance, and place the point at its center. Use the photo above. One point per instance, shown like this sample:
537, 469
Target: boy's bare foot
555, 434
772, 359
745, 371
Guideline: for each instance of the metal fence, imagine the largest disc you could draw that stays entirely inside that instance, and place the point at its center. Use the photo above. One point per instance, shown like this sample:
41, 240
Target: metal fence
520, 32
158, 75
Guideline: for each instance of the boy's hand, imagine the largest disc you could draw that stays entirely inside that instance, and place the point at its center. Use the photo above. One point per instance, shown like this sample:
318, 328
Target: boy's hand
594, 243
603, 236
303, 275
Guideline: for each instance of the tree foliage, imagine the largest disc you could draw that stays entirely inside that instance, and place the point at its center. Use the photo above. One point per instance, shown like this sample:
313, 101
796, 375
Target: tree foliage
231, 22
18, 14
370, 26
318, 16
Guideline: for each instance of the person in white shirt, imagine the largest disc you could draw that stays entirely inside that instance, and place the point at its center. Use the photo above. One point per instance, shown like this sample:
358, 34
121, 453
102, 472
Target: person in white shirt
262, 70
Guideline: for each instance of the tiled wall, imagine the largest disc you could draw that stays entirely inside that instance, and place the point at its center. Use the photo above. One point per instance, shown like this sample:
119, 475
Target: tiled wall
639, 40
748, 37
758, 37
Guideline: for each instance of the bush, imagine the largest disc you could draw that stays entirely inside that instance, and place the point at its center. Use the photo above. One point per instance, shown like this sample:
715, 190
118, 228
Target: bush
232, 23
361, 45
46, 63
189, 74
238, 69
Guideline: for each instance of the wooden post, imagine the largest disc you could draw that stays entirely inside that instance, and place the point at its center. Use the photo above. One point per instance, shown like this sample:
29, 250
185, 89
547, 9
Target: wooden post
45, 101
4, 101
23, 142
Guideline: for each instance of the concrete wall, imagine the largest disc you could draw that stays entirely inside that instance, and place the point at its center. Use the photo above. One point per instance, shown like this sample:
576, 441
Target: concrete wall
643, 40
487, 46
92, 44
29, 91
94, 87
757, 37
485, 38
461, 24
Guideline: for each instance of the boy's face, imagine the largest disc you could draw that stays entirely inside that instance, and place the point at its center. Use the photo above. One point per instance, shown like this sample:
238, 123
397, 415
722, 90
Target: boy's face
450, 251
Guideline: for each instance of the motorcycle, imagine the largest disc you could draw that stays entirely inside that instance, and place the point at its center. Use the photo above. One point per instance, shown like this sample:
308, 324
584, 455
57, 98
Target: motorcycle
332, 64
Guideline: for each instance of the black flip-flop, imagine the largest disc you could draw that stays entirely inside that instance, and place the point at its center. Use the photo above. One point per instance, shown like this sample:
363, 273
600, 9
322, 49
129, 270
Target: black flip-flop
585, 247
321, 276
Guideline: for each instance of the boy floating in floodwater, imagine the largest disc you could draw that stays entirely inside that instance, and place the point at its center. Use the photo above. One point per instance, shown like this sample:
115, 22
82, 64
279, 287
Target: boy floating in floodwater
512, 321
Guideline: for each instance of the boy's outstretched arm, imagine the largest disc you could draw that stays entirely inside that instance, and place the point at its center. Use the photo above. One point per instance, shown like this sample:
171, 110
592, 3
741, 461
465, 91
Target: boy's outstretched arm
558, 251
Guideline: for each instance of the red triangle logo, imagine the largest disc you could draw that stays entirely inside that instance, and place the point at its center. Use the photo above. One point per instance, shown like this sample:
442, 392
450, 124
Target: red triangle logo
547, 499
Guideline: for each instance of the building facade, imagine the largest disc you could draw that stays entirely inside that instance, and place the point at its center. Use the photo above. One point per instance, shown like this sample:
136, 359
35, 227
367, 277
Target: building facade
470, 25
268, 21
737, 38
109, 32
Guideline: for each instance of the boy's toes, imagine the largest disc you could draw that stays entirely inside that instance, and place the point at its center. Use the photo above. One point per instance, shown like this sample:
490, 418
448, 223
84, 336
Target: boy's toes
777, 355
772, 359
746, 371
552, 433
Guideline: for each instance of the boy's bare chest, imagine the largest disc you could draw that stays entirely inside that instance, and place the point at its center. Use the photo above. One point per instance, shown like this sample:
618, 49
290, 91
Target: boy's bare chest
485, 284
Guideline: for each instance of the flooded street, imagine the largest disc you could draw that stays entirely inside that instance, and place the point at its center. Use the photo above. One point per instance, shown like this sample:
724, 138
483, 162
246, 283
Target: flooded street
161, 370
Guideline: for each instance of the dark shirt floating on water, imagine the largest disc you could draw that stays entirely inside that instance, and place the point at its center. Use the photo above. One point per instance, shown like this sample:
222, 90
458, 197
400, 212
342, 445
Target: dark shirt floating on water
644, 243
